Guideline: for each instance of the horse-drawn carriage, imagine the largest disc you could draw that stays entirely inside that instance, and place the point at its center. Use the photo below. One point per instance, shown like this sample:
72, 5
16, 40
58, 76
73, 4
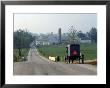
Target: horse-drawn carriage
73, 53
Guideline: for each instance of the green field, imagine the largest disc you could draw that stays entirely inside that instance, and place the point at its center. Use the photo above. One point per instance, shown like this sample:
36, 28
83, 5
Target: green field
89, 50
24, 53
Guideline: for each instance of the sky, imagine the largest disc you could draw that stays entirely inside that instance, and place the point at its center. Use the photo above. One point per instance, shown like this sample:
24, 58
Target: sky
46, 23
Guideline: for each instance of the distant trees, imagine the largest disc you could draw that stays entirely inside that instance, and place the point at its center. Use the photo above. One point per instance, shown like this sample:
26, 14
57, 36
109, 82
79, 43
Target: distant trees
74, 36
93, 34
80, 34
22, 39
87, 34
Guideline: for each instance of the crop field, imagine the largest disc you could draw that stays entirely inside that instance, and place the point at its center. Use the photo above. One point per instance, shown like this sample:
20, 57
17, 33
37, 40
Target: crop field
24, 53
89, 50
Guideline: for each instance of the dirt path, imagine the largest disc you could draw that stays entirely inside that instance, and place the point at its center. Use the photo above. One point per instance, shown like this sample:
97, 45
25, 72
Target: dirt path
38, 65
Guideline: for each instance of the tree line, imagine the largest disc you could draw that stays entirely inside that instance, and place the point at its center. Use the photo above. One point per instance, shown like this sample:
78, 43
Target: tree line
22, 39
74, 36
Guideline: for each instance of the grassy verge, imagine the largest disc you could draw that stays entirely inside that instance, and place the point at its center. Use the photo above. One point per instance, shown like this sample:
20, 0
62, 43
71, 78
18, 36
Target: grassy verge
89, 50
23, 57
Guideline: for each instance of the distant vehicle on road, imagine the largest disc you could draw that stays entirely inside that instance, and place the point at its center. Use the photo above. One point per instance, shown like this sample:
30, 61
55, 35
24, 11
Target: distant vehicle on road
73, 53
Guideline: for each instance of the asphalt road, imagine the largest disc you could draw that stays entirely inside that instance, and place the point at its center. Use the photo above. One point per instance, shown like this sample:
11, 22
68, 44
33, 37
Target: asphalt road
38, 65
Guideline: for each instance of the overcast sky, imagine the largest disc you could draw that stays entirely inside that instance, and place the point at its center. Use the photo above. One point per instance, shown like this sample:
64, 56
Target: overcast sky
45, 23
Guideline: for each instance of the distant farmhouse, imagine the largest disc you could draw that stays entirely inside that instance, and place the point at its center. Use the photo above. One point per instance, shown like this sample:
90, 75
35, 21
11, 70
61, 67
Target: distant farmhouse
42, 43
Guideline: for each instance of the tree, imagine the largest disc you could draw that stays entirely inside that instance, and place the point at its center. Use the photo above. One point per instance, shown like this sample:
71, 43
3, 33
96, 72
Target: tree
93, 34
72, 36
88, 35
80, 34
22, 39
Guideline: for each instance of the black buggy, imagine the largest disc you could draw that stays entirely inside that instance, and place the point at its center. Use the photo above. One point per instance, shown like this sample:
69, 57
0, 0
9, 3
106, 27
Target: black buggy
73, 53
